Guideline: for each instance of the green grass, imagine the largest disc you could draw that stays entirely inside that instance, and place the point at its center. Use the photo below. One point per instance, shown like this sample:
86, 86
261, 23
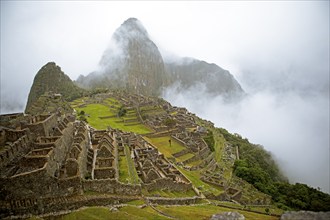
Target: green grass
218, 145
34, 218
170, 194
194, 177
195, 163
162, 143
123, 170
97, 213
206, 211
133, 176
94, 111
203, 211
185, 157
112, 101
136, 202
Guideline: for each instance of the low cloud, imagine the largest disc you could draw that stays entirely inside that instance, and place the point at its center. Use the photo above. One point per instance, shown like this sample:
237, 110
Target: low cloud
293, 127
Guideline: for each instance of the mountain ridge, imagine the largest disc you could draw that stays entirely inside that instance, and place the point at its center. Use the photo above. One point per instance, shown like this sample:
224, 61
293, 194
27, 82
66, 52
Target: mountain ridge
133, 62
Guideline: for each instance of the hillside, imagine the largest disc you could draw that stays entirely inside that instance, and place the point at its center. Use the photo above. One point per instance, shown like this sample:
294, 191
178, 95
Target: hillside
50, 78
142, 157
133, 62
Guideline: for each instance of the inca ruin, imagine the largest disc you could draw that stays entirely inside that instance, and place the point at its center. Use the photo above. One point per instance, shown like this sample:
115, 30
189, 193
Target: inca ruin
55, 158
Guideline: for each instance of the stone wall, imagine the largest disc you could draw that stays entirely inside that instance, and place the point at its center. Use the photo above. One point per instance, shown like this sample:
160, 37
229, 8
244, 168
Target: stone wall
305, 215
183, 152
10, 151
111, 186
167, 184
57, 204
174, 201
42, 125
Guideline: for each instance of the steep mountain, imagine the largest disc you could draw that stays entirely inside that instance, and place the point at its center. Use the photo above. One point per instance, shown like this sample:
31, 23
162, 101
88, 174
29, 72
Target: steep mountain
50, 78
133, 62
189, 71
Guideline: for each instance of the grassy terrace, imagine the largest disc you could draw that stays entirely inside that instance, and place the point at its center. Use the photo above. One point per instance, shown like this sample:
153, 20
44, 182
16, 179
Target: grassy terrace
202, 211
124, 213
206, 211
95, 111
184, 157
162, 143
170, 194
194, 177
127, 172
195, 163
134, 178
123, 170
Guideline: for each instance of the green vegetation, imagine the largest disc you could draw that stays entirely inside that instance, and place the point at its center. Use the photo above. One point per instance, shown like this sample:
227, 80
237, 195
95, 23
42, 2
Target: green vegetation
255, 155
163, 145
209, 139
170, 194
133, 176
123, 170
300, 197
259, 169
100, 117
136, 202
201, 211
124, 213
122, 111
185, 157
206, 211
82, 116
194, 177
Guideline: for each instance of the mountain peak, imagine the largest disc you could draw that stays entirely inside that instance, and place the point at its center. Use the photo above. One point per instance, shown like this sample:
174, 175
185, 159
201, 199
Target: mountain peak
132, 28
51, 78
132, 60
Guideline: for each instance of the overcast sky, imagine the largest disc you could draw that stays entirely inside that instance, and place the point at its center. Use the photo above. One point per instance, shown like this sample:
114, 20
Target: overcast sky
278, 51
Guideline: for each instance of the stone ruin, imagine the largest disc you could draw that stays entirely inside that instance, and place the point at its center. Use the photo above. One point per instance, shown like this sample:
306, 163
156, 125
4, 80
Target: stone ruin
156, 171
52, 157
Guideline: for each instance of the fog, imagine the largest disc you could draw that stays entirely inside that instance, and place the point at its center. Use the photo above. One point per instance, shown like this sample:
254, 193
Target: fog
294, 128
278, 52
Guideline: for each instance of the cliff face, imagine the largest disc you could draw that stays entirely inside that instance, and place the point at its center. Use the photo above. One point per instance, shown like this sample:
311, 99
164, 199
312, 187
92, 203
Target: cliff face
133, 62
50, 78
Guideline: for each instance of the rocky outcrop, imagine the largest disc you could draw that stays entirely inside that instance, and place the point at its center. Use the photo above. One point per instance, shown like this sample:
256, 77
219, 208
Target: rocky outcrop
51, 78
306, 215
228, 216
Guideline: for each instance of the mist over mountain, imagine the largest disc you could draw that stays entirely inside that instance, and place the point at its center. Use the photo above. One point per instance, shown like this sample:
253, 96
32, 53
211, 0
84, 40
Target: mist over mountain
133, 62
187, 73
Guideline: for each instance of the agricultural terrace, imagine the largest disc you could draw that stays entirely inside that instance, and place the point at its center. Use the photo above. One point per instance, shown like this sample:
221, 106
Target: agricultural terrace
131, 211
194, 177
127, 171
163, 145
103, 114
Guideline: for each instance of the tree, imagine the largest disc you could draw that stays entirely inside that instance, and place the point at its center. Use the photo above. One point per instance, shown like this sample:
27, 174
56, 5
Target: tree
121, 112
